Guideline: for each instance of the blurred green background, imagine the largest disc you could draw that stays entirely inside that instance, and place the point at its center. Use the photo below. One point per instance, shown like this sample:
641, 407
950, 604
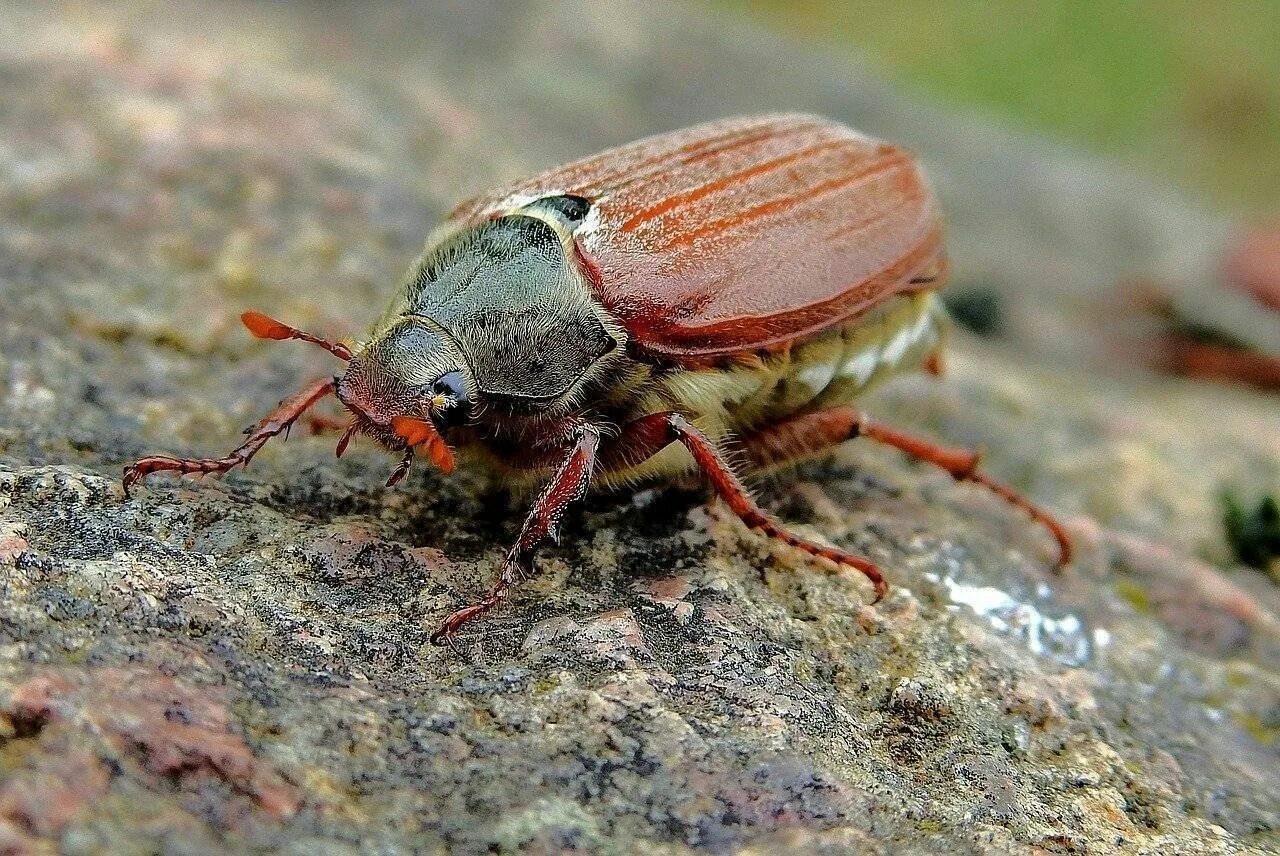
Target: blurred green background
1182, 89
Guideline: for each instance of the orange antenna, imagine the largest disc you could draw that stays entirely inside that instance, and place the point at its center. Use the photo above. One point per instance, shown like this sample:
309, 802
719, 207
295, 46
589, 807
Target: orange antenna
266, 327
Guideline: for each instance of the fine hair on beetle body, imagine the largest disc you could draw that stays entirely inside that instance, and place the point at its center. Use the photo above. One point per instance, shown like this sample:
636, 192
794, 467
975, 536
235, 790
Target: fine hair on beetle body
719, 294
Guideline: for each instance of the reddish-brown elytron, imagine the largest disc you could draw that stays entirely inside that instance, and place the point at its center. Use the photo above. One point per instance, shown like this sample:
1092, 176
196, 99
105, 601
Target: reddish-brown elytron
622, 316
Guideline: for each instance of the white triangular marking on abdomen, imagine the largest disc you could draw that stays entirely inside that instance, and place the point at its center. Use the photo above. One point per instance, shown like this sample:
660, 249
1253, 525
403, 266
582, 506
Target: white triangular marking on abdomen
861, 366
818, 375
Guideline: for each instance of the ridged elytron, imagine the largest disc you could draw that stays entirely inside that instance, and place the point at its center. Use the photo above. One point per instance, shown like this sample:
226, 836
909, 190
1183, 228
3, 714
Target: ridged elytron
621, 317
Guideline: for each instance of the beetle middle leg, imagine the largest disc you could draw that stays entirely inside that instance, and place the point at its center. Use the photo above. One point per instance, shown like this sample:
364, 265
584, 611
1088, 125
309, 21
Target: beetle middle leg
542, 526
824, 429
276, 422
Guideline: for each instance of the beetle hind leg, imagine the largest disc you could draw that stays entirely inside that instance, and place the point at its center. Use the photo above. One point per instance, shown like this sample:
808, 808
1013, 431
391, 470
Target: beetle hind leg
824, 429
731, 489
276, 422
650, 434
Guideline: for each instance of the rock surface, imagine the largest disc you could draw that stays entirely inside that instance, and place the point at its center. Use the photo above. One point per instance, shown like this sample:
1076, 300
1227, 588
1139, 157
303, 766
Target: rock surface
244, 664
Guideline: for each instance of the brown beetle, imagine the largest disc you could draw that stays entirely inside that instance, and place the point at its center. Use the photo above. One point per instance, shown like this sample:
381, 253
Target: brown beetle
619, 318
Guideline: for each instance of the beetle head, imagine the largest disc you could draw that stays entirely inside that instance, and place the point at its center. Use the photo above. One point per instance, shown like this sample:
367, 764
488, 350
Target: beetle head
407, 388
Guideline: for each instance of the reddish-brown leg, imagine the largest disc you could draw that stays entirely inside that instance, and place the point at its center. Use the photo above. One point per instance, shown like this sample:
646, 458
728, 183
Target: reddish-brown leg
275, 422
1217, 362
934, 364
813, 432
318, 423
542, 526
647, 436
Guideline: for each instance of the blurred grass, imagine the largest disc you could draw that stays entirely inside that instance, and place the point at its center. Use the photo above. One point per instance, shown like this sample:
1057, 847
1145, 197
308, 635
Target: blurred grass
1185, 89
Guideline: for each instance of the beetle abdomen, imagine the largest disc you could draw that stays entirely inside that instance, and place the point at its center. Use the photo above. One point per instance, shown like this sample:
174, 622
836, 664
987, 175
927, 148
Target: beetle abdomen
830, 369
874, 349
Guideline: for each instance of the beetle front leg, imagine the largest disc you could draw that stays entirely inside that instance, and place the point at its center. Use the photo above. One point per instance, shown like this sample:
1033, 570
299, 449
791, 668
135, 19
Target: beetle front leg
542, 526
276, 422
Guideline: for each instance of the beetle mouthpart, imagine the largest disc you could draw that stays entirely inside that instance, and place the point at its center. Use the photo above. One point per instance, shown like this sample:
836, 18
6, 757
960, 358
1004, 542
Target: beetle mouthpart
419, 433
266, 327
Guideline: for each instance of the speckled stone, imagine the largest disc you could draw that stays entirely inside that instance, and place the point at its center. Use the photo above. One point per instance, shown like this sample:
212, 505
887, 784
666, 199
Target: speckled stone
243, 664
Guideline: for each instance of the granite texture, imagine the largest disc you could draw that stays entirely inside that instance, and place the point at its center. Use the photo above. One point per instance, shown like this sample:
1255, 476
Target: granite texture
243, 664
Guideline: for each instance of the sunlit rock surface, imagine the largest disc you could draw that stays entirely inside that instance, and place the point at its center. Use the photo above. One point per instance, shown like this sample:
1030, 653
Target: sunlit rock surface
244, 663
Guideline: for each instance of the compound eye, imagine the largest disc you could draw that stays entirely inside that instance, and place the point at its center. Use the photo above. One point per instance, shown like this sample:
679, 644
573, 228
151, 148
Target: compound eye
457, 404
451, 385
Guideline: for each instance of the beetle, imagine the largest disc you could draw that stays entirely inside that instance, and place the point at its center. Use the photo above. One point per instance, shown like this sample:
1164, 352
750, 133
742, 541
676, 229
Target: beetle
630, 315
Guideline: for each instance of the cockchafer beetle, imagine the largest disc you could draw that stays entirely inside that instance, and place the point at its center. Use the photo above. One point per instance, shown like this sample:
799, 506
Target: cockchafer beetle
622, 317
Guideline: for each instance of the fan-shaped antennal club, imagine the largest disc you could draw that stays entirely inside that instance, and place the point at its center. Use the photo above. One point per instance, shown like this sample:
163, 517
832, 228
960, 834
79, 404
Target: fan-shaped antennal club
266, 327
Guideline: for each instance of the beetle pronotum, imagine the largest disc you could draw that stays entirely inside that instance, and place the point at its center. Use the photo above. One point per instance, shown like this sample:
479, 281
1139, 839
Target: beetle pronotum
621, 317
